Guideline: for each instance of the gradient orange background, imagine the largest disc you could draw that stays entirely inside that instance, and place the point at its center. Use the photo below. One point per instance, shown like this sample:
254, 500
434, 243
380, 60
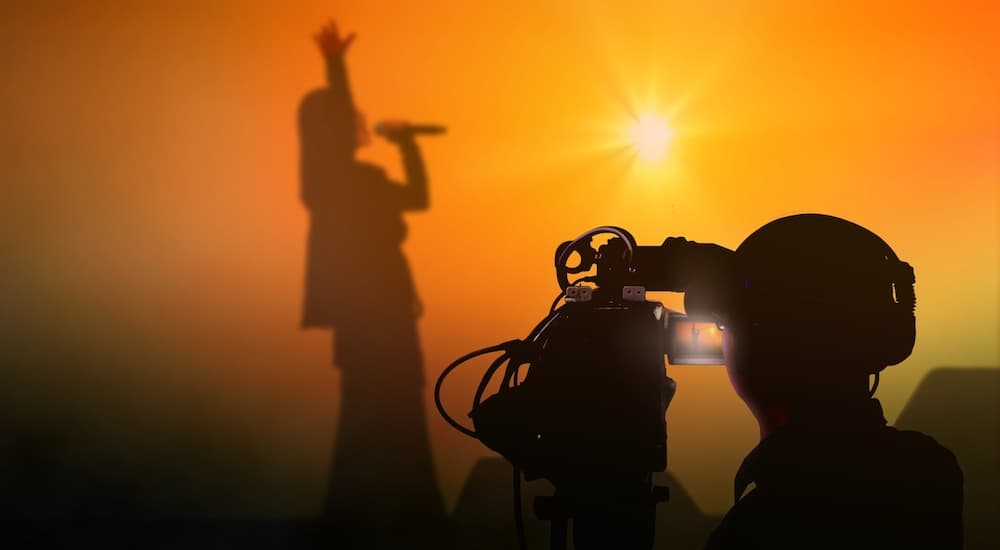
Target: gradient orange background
153, 240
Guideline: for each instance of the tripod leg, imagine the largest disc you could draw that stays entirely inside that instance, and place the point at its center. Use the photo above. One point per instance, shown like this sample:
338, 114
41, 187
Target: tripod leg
557, 533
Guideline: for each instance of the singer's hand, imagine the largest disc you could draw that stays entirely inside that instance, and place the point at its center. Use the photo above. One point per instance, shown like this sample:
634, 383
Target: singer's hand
329, 41
394, 130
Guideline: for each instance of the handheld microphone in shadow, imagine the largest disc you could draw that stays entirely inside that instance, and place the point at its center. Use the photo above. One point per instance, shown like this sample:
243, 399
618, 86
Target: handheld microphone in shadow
391, 128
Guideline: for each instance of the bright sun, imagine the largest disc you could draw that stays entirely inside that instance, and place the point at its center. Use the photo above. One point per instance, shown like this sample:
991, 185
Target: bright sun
650, 136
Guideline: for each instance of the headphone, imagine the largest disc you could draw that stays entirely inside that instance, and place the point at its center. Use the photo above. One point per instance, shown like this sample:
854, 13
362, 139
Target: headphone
881, 324
900, 322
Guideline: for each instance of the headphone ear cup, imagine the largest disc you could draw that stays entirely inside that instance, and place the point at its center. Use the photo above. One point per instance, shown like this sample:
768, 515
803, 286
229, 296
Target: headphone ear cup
905, 341
902, 318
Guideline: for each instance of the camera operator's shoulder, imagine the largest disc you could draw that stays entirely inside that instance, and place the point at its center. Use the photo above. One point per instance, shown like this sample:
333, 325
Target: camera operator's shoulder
765, 518
923, 453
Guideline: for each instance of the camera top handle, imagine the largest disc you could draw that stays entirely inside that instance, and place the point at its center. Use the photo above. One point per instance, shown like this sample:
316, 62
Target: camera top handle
677, 265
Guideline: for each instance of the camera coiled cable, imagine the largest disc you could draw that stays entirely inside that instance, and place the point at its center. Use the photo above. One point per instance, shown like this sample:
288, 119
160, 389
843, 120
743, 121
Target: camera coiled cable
516, 353
455, 364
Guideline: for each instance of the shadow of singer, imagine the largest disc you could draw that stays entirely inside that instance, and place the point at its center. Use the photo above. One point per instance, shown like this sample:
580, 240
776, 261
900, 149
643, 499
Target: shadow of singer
358, 283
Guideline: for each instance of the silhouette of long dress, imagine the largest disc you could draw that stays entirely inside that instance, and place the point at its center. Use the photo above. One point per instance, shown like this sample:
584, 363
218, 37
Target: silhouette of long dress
359, 284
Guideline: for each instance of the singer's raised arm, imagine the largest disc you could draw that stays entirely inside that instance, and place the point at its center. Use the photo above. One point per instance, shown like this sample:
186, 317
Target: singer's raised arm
334, 47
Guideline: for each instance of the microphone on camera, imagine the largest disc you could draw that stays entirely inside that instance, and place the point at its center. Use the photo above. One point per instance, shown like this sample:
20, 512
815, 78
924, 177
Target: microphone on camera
385, 129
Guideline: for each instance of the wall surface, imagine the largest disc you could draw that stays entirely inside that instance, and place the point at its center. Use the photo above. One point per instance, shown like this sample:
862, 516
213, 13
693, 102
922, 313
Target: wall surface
153, 240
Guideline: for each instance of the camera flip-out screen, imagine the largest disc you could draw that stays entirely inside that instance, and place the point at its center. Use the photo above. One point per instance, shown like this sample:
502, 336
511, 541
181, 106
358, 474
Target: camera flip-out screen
692, 341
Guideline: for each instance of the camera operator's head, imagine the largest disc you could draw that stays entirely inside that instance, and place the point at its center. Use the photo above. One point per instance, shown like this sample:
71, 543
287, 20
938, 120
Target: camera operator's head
818, 305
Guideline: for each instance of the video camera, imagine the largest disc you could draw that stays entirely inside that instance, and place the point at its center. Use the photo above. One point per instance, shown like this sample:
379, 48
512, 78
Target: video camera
589, 413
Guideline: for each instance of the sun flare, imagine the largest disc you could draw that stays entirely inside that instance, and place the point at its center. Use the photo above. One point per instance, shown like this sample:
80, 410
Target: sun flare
650, 136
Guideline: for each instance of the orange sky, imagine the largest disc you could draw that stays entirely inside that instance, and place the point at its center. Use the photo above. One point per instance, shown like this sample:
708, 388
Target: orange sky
150, 204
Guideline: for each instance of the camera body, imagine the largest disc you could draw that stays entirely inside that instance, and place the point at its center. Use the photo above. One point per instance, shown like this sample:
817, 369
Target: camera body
593, 403
590, 413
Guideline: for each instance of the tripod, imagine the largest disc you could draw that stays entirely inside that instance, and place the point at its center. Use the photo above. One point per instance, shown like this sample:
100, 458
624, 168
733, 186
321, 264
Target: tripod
605, 513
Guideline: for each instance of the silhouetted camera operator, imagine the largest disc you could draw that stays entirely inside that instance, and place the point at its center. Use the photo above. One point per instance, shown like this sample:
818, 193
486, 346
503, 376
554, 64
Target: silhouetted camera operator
819, 305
